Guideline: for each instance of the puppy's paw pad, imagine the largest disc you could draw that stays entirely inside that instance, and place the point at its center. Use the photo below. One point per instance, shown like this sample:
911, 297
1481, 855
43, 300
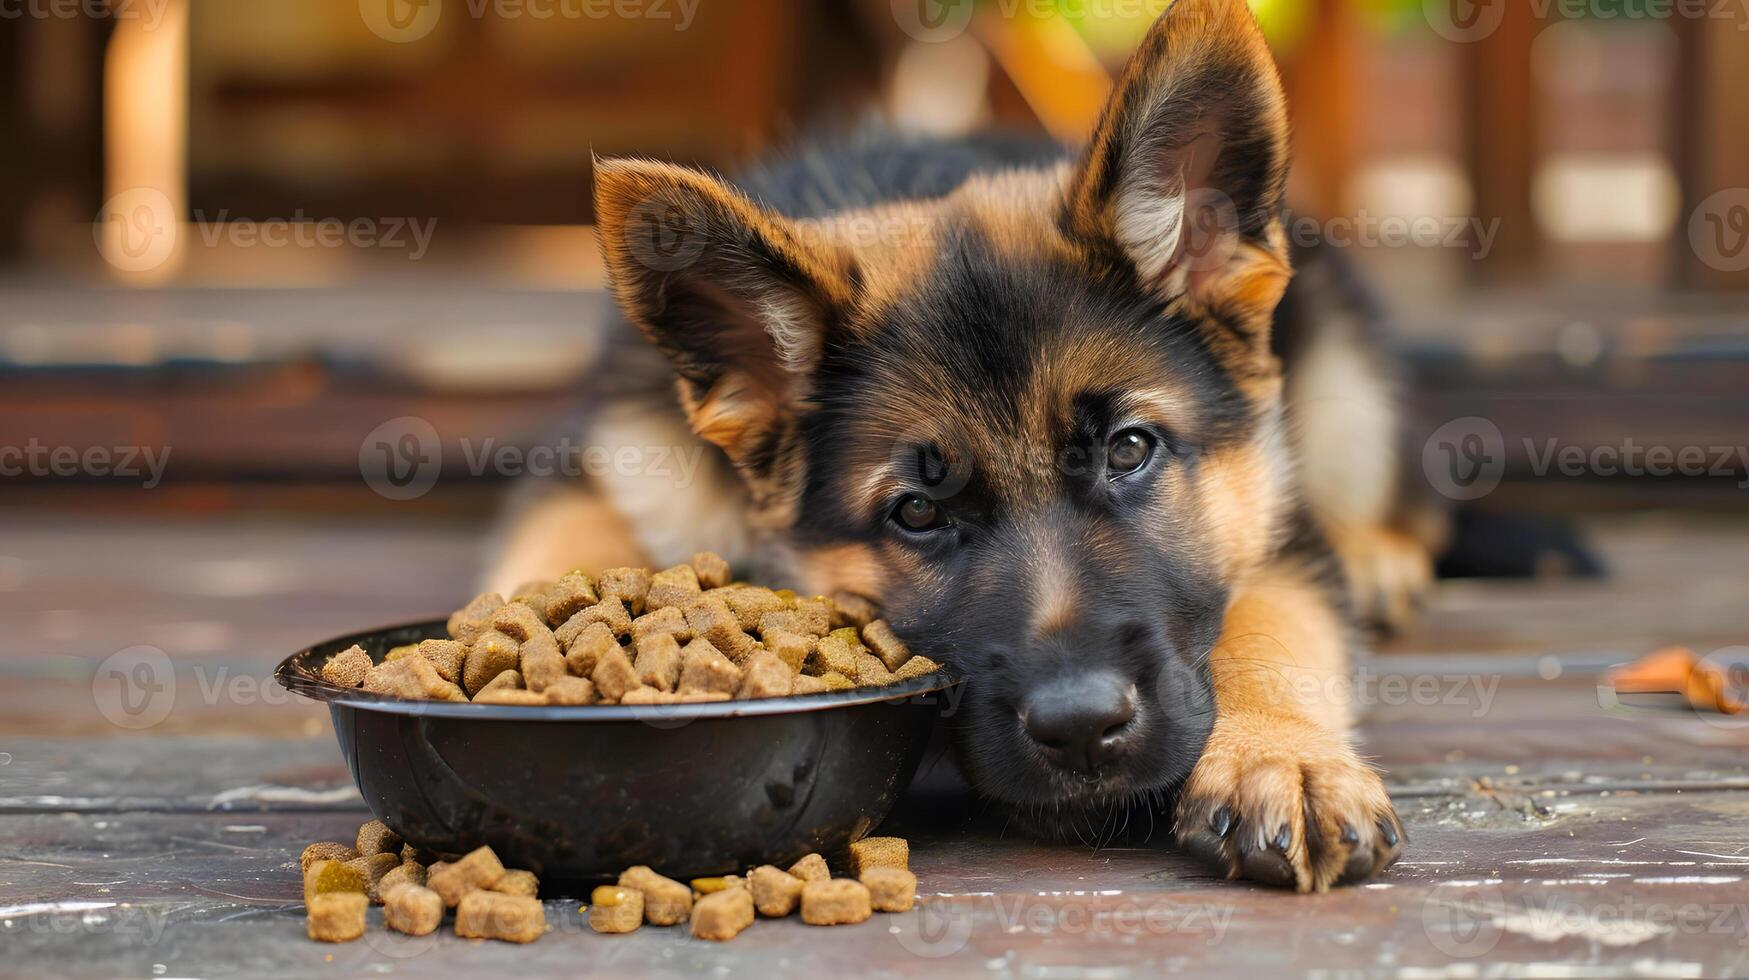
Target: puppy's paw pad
1286, 804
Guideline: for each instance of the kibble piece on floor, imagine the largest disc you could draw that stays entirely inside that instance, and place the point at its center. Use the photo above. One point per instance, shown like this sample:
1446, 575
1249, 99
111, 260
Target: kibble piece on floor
765, 676
835, 902
401, 874
522, 883
471, 620
569, 690
373, 867
879, 852
917, 666
703, 669
668, 620
326, 875
571, 594
348, 667
479, 869
447, 656
412, 908
616, 909
791, 648
658, 661
666, 901
328, 850
375, 837
879, 637
587, 647
491, 654
775, 891
720, 916
716, 883
628, 585
890, 889
509, 918
850, 609
712, 570
335, 917
542, 663
811, 867
411, 677
675, 586
614, 675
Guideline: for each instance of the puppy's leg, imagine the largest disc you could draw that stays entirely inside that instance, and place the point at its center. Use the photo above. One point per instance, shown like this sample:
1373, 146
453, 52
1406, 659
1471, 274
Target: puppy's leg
562, 528
1280, 796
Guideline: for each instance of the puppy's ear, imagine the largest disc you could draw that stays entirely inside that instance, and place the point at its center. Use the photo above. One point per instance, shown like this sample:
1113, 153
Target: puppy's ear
726, 289
1182, 180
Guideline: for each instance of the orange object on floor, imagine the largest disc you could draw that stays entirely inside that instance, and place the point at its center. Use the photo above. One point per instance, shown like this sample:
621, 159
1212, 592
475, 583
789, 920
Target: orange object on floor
1705, 685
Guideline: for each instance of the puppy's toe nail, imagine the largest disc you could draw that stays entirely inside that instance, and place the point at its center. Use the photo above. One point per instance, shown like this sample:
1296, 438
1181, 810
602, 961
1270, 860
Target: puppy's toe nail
1284, 838
1350, 836
1221, 821
1388, 831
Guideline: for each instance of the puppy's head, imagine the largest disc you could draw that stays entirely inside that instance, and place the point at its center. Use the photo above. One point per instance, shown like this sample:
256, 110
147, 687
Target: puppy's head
1036, 418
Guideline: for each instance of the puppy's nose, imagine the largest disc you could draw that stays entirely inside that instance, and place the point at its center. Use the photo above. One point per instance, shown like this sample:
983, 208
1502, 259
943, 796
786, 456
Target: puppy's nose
1081, 721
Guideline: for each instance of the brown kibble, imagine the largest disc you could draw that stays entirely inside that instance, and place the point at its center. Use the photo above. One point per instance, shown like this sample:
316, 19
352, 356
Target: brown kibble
791, 648
328, 850
716, 883
614, 909
835, 681
471, 620
571, 594
401, 874
704, 668
523, 883
614, 675
809, 685
675, 586
879, 852
890, 889
917, 666
835, 902
587, 648
375, 837
348, 667
871, 672
491, 654
667, 620
775, 891
711, 569
811, 867
878, 636
666, 901
519, 621
372, 867
722, 915
610, 612
849, 609
511, 695
335, 917
411, 677
766, 676
816, 615
658, 663
712, 619
750, 603
447, 656
542, 663
416, 855
412, 908
570, 690
404, 650
326, 875
510, 680
833, 654
698, 697
628, 585
479, 869
508, 918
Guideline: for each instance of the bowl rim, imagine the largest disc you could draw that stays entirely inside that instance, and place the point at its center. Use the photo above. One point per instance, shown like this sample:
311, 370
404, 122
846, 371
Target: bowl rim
297, 675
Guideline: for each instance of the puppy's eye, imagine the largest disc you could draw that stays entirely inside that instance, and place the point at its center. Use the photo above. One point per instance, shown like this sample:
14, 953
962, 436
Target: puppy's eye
918, 513
1128, 452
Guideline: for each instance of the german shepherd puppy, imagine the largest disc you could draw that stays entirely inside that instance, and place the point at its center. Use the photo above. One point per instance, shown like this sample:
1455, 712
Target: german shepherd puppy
1031, 402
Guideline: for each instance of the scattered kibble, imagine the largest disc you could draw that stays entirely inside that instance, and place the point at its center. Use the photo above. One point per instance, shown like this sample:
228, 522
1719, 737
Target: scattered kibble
412, 909
508, 918
811, 867
335, 917
614, 909
890, 889
720, 916
835, 902
775, 891
666, 901
879, 852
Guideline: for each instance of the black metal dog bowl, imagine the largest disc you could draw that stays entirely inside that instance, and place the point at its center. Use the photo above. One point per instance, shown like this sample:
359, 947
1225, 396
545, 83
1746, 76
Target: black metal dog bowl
580, 793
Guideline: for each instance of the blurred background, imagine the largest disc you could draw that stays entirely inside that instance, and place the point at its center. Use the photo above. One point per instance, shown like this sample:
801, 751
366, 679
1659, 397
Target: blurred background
244, 242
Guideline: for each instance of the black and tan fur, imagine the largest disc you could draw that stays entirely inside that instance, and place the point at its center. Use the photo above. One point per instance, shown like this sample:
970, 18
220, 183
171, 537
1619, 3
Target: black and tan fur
973, 321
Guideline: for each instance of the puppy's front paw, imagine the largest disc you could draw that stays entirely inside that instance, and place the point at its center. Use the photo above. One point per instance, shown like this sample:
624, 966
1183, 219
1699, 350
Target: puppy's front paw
1389, 575
1287, 803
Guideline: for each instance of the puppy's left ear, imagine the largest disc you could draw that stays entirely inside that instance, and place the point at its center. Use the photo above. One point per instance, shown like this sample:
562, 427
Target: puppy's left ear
730, 291
1182, 181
